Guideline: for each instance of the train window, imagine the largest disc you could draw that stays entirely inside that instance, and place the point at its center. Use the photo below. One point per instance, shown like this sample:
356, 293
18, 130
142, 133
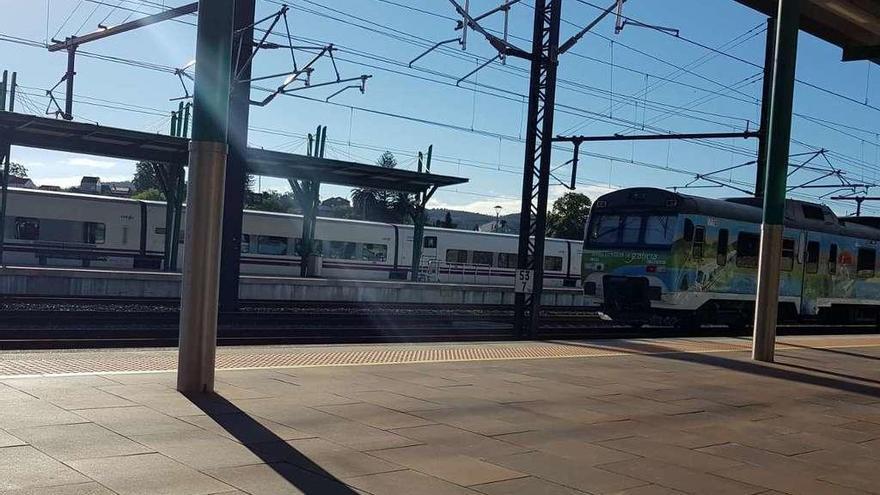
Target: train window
723, 240
269, 244
553, 263
813, 212
812, 262
483, 258
374, 252
340, 250
832, 259
605, 229
747, 250
507, 260
27, 229
430, 242
125, 234
659, 229
688, 230
699, 241
94, 233
245, 243
456, 256
787, 255
630, 229
866, 262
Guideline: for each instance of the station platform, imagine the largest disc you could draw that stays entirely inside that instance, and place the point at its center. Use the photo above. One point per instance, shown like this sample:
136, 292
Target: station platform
636, 417
83, 282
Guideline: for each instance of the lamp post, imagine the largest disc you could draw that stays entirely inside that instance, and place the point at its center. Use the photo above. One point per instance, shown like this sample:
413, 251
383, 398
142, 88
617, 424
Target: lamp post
498, 209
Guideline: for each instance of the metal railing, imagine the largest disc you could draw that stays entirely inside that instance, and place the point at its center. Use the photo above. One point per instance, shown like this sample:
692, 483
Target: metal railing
434, 270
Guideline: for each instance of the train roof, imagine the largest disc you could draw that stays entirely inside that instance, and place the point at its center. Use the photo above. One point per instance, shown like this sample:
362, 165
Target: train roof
798, 214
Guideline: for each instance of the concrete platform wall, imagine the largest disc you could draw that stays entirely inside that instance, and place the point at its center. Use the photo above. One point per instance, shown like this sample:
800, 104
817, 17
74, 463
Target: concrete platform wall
100, 283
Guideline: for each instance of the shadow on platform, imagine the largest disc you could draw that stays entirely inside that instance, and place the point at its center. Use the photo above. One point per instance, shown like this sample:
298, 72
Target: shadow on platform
771, 370
296, 468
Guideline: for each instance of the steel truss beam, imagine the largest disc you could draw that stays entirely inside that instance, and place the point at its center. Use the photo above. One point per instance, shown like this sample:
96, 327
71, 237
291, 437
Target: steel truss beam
72, 43
536, 170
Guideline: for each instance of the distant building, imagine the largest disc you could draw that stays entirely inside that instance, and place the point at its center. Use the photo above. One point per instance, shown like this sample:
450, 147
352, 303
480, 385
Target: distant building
22, 182
90, 185
50, 188
116, 190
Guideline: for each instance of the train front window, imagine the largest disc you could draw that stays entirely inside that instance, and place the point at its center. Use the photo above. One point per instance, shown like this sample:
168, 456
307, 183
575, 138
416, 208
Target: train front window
606, 229
660, 229
630, 228
657, 230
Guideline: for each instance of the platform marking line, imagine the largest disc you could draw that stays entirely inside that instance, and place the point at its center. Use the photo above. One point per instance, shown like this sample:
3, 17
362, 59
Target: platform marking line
227, 359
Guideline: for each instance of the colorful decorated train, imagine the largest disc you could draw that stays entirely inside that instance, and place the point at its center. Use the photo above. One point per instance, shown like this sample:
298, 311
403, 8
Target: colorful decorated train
655, 256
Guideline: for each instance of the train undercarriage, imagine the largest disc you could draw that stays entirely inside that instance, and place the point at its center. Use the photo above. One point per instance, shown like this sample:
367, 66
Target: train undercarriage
628, 300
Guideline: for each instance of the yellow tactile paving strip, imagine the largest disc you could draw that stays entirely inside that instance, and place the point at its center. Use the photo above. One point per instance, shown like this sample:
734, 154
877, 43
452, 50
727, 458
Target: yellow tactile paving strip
129, 361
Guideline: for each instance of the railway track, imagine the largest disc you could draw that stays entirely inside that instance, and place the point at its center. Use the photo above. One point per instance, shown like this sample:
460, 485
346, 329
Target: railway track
30, 323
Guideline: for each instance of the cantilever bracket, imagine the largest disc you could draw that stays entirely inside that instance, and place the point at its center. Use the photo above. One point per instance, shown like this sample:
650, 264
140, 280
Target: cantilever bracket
502, 46
362, 87
182, 73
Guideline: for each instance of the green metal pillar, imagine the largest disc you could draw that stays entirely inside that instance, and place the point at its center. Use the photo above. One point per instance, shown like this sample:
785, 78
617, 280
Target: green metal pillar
180, 195
308, 194
204, 213
778, 137
419, 219
5, 151
766, 97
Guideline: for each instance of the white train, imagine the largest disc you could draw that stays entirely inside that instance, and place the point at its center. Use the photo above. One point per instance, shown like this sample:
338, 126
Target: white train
46, 228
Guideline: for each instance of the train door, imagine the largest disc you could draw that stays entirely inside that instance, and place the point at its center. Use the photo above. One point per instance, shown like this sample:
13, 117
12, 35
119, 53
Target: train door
815, 279
695, 237
429, 246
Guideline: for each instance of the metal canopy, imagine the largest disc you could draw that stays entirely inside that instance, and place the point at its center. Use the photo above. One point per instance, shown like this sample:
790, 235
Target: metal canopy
853, 25
342, 173
77, 137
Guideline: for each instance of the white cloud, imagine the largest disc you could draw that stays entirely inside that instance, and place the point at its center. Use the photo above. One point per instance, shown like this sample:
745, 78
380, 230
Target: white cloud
487, 206
73, 180
91, 163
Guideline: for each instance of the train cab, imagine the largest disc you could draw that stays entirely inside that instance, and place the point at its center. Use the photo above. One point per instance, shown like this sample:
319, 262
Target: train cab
628, 250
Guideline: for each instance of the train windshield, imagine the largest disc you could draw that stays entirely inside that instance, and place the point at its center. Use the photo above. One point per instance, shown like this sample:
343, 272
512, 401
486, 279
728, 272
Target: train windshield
610, 230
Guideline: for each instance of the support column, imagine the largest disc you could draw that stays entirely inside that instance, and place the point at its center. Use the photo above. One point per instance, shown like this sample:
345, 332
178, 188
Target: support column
236, 167
778, 137
536, 171
766, 96
5, 151
204, 213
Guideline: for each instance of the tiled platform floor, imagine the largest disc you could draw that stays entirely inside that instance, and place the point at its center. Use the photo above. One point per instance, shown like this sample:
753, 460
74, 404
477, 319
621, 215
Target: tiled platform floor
640, 418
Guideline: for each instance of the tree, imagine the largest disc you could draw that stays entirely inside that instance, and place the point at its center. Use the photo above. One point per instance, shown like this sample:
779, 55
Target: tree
447, 222
18, 170
569, 216
149, 195
381, 205
270, 201
145, 177
336, 202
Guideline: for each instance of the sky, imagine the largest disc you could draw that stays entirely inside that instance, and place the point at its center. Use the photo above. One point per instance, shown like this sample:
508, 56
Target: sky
641, 80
